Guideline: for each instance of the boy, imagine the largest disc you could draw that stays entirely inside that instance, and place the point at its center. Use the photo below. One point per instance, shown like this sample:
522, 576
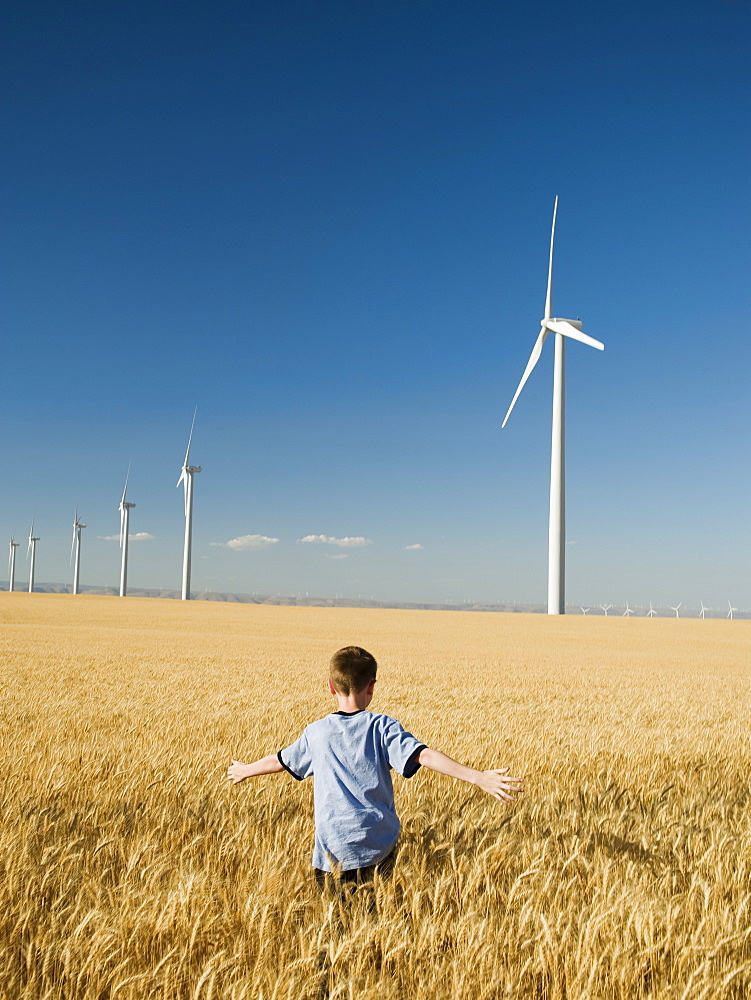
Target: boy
350, 753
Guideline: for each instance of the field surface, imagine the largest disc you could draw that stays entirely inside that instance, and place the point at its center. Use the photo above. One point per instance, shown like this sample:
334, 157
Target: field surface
131, 869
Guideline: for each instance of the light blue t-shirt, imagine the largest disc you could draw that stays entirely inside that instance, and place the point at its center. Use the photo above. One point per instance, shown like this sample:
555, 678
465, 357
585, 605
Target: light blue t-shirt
350, 755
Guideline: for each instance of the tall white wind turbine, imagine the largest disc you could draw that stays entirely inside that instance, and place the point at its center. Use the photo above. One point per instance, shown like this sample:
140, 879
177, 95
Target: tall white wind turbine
12, 564
562, 328
628, 612
731, 609
32, 551
651, 613
186, 478
703, 612
125, 509
676, 609
78, 526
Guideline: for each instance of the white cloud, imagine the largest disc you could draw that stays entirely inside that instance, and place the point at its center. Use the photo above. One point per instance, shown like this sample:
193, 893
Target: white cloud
140, 536
412, 548
339, 555
356, 542
247, 542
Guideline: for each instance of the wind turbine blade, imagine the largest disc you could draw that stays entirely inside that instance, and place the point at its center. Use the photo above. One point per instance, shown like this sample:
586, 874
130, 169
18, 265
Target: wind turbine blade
549, 295
125, 490
568, 330
183, 476
533, 359
73, 540
190, 439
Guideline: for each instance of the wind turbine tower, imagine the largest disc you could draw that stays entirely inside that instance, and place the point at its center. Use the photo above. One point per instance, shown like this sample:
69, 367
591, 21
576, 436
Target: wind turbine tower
32, 550
125, 509
78, 526
186, 478
12, 564
562, 328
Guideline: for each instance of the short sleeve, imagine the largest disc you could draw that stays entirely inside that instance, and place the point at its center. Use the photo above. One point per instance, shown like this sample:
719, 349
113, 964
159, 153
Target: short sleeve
297, 758
401, 747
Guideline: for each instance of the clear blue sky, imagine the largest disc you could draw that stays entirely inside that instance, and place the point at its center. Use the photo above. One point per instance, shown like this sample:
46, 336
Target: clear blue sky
327, 226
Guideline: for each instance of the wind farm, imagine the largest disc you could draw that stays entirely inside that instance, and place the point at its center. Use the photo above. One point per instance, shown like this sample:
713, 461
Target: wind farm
320, 599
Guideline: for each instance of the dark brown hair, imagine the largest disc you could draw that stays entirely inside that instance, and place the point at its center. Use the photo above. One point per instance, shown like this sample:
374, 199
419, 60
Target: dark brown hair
352, 669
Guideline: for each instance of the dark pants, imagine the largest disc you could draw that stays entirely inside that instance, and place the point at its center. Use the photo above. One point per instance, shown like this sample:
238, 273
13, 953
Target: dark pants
350, 880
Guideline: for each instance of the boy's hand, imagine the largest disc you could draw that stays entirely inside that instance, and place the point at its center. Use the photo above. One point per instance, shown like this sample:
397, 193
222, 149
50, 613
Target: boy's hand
238, 771
501, 787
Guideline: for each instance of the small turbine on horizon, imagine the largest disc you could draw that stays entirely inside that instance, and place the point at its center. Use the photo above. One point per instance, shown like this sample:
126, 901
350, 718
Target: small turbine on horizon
32, 551
628, 612
562, 328
676, 608
12, 563
651, 613
731, 609
702, 613
186, 478
78, 526
606, 608
584, 610
125, 509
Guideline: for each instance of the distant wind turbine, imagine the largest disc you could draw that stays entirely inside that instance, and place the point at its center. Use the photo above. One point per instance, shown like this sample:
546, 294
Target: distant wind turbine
78, 526
584, 610
651, 613
125, 509
562, 328
606, 608
676, 608
186, 478
628, 612
32, 550
12, 564
731, 609
703, 610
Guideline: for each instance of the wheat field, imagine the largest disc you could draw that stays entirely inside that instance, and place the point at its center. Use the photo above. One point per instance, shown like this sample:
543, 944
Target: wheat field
131, 869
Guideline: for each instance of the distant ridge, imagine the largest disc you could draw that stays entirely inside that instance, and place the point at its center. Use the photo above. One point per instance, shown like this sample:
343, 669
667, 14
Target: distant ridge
281, 600
353, 602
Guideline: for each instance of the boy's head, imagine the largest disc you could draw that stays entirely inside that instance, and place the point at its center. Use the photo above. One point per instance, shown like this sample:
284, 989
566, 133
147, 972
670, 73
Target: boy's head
352, 669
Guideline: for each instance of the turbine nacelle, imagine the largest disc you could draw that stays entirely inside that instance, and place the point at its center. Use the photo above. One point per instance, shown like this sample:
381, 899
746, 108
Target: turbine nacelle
577, 323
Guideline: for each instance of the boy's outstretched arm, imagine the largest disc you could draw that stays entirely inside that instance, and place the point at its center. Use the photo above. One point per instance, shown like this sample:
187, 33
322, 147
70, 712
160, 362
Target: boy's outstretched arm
495, 782
238, 771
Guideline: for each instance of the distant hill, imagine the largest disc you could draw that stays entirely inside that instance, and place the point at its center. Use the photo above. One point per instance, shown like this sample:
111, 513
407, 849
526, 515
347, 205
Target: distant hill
348, 602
